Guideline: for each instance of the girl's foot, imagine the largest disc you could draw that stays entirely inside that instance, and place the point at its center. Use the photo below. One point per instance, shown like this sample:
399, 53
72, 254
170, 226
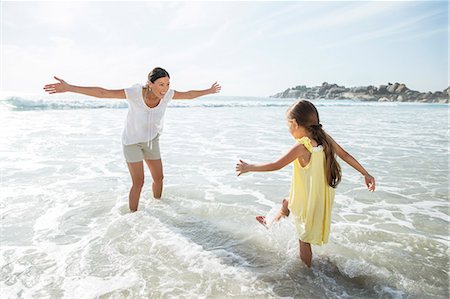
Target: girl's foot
282, 213
262, 220
285, 208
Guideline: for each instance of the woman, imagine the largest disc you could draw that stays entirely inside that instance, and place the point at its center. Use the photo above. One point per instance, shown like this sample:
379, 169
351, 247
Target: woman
146, 107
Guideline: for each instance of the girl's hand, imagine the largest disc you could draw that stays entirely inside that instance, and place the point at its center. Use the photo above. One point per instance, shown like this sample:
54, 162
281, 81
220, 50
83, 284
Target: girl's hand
62, 86
370, 182
242, 167
215, 88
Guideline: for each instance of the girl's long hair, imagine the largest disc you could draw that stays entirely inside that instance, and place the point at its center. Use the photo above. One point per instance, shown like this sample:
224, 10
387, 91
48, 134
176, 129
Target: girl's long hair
306, 115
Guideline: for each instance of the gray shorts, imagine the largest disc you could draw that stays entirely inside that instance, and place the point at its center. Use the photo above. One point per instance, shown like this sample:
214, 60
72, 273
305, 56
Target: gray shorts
142, 151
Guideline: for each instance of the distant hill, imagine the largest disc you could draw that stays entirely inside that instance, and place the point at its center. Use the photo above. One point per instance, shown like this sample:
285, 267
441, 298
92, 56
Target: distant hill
397, 92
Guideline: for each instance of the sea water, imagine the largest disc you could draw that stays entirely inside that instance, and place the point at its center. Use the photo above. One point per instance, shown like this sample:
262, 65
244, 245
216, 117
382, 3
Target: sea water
66, 231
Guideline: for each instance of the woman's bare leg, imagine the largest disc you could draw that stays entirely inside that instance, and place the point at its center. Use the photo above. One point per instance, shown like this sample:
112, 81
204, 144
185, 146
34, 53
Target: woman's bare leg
156, 169
137, 176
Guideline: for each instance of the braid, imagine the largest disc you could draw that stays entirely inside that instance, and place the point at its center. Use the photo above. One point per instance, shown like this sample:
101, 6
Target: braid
332, 167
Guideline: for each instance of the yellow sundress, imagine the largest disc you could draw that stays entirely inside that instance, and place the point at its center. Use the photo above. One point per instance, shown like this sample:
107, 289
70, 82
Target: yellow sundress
311, 198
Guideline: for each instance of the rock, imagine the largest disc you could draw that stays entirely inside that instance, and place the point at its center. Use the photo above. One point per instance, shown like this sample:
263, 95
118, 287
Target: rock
382, 89
391, 88
289, 93
335, 90
384, 93
429, 94
366, 98
414, 98
360, 89
401, 88
301, 88
438, 95
322, 90
447, 91
371, 89
348, 95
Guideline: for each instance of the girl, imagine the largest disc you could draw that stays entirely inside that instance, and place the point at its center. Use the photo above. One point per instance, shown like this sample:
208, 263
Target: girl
316, 175
146, 107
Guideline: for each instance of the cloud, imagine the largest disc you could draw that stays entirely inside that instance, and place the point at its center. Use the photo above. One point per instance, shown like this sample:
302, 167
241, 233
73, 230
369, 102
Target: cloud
187, 16
62, 15
398, 29
330, 19
423, 34
206, 47
30, 67
239, 43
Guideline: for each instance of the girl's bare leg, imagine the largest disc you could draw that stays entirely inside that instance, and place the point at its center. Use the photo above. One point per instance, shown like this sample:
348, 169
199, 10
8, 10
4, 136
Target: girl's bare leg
283, 212
305, 253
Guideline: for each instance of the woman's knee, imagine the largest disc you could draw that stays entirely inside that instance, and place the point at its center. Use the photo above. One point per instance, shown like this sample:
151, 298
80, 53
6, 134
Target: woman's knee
158, 179
138, 183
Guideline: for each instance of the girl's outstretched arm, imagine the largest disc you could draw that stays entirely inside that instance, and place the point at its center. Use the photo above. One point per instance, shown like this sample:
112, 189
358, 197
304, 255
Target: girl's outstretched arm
350, 160
192, 94
297, 151
97, 92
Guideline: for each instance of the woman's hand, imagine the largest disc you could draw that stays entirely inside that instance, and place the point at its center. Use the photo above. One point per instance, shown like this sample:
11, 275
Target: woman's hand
242, 167
215, 88
62, 86
370, 182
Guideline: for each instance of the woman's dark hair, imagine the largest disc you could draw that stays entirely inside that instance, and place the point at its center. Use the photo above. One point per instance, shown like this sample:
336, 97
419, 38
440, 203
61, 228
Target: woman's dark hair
157, 73
306, 115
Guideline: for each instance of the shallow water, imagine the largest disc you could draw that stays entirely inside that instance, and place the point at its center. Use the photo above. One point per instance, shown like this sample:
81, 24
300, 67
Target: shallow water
66, 230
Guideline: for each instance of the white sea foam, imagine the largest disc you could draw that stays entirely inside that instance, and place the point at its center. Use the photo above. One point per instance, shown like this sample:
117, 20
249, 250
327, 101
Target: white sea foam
64, 102
67, 230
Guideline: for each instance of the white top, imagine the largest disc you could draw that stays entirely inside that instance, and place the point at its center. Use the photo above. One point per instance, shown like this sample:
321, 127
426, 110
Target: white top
143, 123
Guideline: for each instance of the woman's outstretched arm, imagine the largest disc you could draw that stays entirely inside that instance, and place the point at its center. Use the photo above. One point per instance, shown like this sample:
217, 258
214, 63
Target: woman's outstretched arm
192, 94
97, 92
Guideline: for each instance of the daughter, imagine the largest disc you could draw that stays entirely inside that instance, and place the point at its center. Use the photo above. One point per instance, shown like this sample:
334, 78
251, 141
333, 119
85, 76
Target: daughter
316, 175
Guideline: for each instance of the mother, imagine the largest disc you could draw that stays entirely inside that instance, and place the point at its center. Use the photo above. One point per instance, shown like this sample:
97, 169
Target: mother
146, 107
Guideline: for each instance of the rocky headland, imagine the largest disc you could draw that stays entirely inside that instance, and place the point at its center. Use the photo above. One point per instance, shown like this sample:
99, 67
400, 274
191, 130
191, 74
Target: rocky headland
397, 92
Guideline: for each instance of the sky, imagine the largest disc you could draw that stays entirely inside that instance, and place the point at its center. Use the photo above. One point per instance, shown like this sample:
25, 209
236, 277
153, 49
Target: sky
251, 48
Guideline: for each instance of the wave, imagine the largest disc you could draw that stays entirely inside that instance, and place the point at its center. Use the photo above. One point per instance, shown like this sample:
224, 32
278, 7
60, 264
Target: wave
40, 103
24, 104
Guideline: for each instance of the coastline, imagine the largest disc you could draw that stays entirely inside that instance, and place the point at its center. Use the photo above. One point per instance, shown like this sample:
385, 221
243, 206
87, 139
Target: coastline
397, 92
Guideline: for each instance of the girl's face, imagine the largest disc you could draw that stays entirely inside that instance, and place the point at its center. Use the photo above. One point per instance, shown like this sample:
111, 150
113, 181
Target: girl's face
160, 87
293, 127
295, 130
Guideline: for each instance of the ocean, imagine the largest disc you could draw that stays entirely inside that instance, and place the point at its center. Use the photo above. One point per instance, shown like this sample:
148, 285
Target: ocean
66, 231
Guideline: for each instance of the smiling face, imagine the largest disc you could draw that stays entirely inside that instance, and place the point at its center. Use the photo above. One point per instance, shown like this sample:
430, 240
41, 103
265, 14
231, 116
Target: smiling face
159, 87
